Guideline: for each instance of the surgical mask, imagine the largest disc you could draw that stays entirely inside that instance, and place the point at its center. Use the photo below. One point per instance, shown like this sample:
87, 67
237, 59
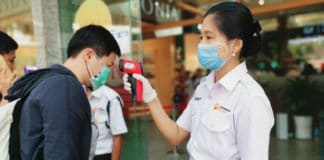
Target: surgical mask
208, 56
101, 78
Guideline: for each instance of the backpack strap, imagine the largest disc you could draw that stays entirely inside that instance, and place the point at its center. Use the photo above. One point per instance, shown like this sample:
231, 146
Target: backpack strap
107, 123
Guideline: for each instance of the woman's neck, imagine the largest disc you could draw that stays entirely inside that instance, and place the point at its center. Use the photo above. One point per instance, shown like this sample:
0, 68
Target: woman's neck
231, 64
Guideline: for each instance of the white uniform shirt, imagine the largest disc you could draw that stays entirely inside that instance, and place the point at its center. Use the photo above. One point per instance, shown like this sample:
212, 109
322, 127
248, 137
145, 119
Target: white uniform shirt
98, 101
228, 120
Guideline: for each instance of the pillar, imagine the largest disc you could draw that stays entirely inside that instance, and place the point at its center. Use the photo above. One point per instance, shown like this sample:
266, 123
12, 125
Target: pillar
47, 32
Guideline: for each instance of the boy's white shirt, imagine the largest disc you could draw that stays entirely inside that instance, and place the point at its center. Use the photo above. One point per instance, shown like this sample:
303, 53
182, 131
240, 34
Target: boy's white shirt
98, 102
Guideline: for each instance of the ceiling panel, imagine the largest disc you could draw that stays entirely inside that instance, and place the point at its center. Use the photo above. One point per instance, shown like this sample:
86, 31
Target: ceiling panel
301, 20
205, 4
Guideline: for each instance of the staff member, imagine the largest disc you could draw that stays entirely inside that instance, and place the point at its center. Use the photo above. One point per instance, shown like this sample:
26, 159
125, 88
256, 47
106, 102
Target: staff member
229, 116
107, 106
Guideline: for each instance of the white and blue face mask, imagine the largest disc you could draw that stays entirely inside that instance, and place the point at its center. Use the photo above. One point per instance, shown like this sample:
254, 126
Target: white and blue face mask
208, 56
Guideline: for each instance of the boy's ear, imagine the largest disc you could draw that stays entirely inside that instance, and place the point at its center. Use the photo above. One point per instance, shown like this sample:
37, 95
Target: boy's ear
86, 54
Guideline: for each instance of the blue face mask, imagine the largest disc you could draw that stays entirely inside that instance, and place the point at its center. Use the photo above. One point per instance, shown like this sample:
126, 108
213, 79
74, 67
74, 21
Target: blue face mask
208, 56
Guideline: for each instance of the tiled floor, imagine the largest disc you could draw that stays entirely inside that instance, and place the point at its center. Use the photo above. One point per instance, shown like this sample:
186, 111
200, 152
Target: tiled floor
294, 149
146, 142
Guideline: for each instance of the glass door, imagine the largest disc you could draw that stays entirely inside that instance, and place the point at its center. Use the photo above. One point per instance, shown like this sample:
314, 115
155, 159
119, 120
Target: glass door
123, 19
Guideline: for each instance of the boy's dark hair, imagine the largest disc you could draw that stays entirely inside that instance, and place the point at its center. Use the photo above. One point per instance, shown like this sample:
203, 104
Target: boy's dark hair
7, 44
96, 37
236, 21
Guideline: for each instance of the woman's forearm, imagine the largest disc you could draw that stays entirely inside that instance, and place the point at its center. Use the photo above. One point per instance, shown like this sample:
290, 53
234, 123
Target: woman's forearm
170, 130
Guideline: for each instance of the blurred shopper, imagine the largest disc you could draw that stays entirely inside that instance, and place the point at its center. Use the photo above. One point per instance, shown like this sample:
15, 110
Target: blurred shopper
308, 70
8, 47
55, 121
107, 106
182, 90
1, 97
195, 79
229, 116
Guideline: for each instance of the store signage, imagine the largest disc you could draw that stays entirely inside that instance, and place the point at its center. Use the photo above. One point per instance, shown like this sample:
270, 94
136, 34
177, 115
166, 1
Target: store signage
314, 30
158, 11
122, 36
11, 6
308, 30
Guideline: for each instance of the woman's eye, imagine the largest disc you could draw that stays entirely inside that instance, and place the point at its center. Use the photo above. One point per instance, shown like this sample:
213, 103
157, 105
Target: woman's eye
200, 37
208, 37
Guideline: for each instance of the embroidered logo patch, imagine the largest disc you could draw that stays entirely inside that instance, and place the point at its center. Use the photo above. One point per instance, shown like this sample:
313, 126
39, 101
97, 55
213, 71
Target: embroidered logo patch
217, 106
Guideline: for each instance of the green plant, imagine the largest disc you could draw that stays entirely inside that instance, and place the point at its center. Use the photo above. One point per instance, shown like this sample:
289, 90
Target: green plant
303, 96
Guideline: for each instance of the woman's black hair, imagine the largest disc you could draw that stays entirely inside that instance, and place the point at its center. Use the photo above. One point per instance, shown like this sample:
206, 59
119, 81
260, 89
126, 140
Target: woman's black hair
236, 21
7, 43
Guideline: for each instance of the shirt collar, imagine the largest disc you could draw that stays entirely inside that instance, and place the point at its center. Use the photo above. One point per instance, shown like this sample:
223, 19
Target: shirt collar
230, 79
96, 93
210, 80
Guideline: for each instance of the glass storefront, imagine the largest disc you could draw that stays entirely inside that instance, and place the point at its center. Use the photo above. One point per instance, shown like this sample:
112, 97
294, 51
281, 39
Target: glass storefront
156, 33
123, 19
16, 20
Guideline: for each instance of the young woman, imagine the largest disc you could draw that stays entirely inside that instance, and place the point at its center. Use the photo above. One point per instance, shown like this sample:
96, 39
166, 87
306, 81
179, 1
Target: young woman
8, 47
229, 116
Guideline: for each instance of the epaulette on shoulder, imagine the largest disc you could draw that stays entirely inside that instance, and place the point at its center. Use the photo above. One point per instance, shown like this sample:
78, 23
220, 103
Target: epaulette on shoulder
254, 89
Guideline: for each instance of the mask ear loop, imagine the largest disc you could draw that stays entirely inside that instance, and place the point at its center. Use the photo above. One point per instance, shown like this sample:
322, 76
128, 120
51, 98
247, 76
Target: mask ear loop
88, 69
98, 59
102, 65
229, 56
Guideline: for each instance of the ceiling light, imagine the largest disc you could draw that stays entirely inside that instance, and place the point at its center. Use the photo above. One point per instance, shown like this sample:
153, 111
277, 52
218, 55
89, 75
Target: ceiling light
92, 12
169, 32
199, 27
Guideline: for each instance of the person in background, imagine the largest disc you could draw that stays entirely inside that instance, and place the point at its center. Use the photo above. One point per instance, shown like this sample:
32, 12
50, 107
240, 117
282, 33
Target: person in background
55, 121
8, 47
309, 70
106, 106
1, 97
229, 116
195, 79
